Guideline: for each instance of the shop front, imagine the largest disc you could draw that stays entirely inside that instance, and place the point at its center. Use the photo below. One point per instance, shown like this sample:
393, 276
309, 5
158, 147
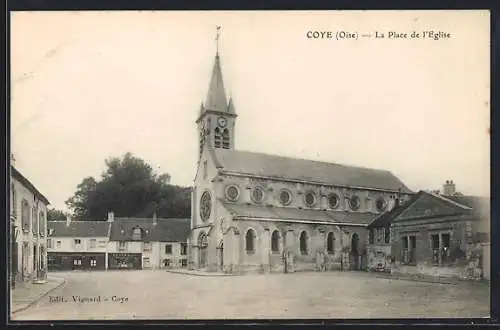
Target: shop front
125, 261
75, 261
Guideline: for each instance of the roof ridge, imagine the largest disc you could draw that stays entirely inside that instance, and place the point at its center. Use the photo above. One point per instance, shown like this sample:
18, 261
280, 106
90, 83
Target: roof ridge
450, 201
303, 159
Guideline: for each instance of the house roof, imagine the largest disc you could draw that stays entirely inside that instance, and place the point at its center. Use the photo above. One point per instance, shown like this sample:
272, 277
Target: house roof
386, 218
481, 205
165, 230
430, 205
25, 182
78, 228
279, 167
245, 211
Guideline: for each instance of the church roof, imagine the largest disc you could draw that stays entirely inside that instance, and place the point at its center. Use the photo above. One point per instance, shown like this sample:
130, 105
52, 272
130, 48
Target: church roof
246, 211
279, 167
216, 96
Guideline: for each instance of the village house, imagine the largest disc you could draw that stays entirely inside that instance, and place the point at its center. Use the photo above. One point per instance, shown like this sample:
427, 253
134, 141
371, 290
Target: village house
28, 227
118, 243
77, 244
437, 234
147, 243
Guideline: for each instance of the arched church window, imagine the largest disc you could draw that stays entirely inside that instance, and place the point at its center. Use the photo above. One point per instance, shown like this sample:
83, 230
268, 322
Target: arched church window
217, 137
250, 241
202, 240
330, 243
225, 138
275, 241
136, 234
303, 242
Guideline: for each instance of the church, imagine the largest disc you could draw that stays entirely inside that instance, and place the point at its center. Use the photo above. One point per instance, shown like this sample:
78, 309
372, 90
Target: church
259, 213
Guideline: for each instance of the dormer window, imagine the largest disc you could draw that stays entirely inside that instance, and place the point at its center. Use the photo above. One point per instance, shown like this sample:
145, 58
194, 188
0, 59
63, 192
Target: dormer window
137, 234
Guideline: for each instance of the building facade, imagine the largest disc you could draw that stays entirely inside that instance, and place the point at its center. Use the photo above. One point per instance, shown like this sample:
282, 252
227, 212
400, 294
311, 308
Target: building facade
75, 245
118, 243
253, 212
434, 234
28, 216
147, 243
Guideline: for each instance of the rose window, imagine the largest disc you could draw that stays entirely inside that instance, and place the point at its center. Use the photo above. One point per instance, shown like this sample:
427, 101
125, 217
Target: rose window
205, 206
310, 199
257, 195
285, 197
333, 201
354, 203
232, 193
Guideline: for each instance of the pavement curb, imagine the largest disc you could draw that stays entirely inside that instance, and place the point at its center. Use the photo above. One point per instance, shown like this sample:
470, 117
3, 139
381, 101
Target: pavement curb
421, 280
208, 274
39, 298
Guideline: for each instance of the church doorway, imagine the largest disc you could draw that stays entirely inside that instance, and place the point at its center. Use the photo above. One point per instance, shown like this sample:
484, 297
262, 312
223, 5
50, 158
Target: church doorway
202, 246
354, 252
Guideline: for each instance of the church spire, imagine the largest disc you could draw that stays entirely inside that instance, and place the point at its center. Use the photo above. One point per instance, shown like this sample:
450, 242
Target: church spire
216, 96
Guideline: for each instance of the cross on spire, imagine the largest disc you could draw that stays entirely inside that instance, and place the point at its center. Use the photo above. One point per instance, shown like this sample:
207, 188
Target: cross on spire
217, 36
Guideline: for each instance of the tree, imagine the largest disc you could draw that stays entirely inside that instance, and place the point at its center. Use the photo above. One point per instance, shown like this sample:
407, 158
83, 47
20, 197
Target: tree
54, 215
130, 188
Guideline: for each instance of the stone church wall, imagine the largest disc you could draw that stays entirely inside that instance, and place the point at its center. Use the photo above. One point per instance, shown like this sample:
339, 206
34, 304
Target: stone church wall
263, 259
272, 189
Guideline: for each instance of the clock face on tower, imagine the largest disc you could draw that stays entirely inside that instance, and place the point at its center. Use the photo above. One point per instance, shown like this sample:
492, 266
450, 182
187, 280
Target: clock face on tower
222, 121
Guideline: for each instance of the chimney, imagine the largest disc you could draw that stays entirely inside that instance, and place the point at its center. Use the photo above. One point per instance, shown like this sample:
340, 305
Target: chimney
154, 219
111, 216
449, 188
68, 219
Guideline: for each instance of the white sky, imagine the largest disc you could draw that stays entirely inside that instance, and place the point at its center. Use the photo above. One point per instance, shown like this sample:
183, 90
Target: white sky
90, 85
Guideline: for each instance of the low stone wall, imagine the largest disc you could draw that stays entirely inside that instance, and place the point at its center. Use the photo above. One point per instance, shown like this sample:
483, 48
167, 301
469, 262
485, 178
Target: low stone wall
471, 271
